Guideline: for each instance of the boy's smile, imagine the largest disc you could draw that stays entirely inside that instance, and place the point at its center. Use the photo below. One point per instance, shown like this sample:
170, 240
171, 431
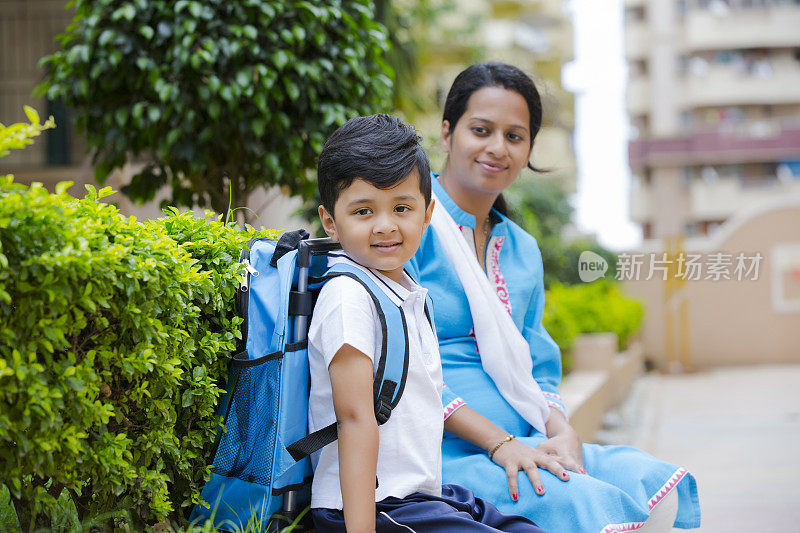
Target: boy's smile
379, 228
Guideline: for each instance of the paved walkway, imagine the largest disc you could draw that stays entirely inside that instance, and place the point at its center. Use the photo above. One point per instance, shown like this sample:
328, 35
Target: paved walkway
737, 429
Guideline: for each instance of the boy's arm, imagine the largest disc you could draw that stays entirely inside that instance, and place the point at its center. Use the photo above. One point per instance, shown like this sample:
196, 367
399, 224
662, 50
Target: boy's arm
351, 383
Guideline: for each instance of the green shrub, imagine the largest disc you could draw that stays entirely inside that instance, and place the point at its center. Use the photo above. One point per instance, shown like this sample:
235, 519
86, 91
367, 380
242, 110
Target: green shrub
113, 340
215, 246
590, 308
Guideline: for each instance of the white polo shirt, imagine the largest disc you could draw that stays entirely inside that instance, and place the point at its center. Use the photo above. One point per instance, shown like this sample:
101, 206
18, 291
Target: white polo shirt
409, 445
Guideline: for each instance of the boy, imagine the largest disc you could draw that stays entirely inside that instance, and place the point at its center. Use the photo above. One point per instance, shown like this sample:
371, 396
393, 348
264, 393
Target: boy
374, 182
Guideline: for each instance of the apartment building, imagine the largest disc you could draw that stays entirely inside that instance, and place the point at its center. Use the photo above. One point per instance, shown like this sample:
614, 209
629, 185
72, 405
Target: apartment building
714, 105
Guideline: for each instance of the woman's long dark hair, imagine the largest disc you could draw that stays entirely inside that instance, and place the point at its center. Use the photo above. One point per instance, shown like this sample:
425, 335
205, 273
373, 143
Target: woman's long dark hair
502, 75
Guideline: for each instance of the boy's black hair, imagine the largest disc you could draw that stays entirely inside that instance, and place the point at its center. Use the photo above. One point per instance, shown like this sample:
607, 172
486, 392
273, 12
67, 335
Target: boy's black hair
379, 149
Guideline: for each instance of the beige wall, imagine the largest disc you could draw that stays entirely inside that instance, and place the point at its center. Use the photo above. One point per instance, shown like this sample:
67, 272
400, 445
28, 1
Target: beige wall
731, 321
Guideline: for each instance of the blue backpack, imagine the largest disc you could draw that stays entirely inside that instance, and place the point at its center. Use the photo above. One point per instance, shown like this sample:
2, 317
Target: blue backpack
260, 464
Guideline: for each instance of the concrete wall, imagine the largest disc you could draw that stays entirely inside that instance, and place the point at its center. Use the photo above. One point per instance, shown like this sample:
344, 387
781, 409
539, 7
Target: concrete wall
600, 380
731, 321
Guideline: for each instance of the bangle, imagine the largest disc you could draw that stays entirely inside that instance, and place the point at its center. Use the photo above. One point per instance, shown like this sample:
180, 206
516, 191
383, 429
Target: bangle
497, 446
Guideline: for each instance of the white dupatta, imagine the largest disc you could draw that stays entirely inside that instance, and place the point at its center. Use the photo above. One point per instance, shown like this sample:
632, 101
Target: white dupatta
505, 354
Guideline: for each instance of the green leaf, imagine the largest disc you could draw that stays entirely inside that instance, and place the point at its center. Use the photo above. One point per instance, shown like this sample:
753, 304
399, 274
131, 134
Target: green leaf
259, 126
153, 113
105, 37
147, 32
32, 115
250, 32
126, 12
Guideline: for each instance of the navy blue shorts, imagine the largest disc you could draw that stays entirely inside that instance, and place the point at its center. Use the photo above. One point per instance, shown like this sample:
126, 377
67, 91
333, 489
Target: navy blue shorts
456, 510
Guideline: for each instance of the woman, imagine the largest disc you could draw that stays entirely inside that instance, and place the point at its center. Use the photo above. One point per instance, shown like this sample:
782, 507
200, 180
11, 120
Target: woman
497, 356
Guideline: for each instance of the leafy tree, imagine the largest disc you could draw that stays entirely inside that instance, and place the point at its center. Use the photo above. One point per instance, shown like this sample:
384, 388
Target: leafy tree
216, 97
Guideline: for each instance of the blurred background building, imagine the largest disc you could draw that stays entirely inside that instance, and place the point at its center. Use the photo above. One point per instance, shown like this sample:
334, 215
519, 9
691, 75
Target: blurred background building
714, 105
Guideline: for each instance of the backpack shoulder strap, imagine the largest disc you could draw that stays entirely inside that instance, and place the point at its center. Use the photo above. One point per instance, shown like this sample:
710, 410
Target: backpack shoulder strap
390, 376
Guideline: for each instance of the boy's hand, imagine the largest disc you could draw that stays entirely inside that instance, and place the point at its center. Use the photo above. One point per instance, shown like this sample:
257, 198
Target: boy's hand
351, 383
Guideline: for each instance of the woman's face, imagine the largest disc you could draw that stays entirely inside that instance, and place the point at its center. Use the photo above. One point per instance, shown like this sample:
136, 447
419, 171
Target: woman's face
490, 144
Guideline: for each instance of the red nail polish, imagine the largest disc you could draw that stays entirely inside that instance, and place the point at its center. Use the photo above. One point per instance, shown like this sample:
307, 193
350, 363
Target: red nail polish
563, 474
514, 497
540, 490
583, 471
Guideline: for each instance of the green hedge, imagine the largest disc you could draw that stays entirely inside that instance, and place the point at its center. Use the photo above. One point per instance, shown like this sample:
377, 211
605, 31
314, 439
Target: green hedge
113, 340
590, 308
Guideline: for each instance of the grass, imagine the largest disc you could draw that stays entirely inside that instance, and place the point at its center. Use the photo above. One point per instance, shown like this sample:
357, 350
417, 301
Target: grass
67, 520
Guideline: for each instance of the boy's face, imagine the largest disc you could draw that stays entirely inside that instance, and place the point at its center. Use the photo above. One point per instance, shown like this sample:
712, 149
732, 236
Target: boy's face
379, 228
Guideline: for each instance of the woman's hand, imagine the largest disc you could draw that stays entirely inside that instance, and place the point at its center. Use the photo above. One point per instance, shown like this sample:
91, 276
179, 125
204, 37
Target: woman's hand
515, 456
563, 443
565, 448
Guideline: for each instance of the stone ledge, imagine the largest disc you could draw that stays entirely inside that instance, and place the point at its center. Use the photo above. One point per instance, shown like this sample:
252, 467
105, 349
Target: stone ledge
601, 380
586, 395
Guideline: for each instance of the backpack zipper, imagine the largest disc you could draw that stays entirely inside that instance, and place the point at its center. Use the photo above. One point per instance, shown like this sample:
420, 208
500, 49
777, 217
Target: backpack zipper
248, 271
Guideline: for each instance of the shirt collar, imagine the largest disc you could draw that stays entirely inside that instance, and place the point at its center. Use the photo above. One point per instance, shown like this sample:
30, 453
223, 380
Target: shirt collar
397, 292
461, 217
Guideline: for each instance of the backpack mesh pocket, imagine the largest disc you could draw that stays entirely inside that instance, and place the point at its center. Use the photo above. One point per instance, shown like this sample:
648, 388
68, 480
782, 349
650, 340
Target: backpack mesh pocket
247, 445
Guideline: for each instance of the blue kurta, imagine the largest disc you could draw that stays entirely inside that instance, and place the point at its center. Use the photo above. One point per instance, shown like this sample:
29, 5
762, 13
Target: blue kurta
622, 483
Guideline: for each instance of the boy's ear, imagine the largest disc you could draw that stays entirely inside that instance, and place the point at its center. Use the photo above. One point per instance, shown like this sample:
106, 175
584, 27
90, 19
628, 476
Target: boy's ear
428, 214
444, 138
327, 223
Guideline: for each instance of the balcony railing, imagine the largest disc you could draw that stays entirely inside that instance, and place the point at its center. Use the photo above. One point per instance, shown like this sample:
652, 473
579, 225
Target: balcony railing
721, 145
719, 199
775, 25
776, 82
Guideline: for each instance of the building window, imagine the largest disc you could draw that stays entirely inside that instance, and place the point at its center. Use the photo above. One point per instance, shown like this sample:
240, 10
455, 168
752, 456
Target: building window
57, 140
640, 126
634, 14
638, 68
788, 170
686, 120
709, 174
647, 230
683, 64
707, 227
687, 176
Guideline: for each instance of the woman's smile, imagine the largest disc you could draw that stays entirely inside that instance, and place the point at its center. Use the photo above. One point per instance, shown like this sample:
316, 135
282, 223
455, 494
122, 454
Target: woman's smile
488, 166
